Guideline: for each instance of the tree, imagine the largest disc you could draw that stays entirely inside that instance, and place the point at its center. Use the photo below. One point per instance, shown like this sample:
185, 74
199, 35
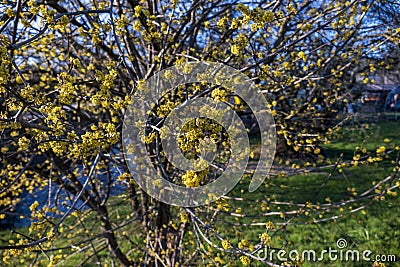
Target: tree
70, 68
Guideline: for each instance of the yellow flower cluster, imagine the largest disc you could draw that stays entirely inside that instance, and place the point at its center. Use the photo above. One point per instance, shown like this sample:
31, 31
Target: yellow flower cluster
121, 22
149, 138
138, 10
28, 92
290, 8
302, 55
265, 238
66, 88
192, 135
23, 143
219, 94
258, 15
126, 176
243, 244
164, 109
378, 264
102, 97
54, 260
188, 140
191, 179
245, 260
380, 150
34, 206
184, 217
219, 260
63, 21
222, 22
174, 3
58, 147
269, 226
240, 43
235, 49
4, 63
98, 138
222, 204
226, 244
55, 117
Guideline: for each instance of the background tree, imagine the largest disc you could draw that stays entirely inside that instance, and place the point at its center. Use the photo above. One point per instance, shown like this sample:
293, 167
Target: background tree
69, 68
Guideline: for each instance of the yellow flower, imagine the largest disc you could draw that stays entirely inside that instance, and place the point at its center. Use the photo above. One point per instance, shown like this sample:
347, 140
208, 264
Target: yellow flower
291, 9
138, 10
19, 80
222, 22
23, 143
235, 24
265, 238
243, 244
226, 244
269, 225
184, 217
235, 49
245, 260
380, 150
54, 260
191, 179
219, 94
302, 55
34, 206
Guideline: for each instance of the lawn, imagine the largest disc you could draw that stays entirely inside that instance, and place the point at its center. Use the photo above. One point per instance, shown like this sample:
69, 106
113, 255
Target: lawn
375, 227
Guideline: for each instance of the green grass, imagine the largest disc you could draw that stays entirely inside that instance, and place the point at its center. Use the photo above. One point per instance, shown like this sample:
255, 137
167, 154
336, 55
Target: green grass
364, 135
375, 229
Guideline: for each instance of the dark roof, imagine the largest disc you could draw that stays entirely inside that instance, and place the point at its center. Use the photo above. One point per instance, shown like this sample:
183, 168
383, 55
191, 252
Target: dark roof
375, 87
